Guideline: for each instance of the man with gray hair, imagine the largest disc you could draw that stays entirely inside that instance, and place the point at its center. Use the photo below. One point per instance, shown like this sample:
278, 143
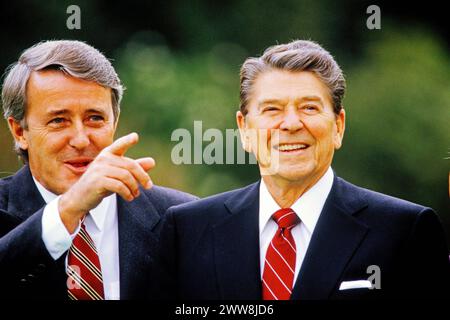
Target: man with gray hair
300, 232
80, 219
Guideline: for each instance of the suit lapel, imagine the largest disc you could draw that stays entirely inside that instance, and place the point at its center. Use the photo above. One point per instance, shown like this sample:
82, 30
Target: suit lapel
24, 197
136, 220
336, 237
236, 247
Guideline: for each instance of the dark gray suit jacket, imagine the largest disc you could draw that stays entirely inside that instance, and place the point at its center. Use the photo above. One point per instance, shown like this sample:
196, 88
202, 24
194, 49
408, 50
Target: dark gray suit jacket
211, 247
27, 271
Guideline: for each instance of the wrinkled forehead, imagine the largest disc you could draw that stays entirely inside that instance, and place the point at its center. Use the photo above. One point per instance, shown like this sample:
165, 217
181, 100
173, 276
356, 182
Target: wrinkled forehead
52, 88
289, 86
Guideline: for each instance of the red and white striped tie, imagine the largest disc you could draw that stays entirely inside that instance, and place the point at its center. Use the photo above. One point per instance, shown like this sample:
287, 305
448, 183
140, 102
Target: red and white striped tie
85, 280
279, 268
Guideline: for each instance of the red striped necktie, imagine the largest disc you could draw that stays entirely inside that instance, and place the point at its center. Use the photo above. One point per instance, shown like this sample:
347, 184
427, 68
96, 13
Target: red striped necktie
85, 280
279, 268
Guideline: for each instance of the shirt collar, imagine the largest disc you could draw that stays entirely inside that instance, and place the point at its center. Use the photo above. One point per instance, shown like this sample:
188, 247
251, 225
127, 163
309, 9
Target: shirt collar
308, 207
98, 214
47, 195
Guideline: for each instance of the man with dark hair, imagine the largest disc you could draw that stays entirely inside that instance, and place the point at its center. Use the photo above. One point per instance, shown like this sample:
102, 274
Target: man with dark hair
301, 232
80, 220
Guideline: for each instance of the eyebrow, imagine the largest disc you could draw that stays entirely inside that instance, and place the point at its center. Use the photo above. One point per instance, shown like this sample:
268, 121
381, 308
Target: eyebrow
57, 112
272, 101
67, 111
311, 98
95, 110
283, 101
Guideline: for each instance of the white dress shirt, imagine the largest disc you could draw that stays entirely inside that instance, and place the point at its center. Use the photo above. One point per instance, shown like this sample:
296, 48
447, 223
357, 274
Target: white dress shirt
101, 224
308, 208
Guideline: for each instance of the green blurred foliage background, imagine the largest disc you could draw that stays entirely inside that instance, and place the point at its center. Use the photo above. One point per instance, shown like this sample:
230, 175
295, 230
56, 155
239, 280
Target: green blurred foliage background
179, 61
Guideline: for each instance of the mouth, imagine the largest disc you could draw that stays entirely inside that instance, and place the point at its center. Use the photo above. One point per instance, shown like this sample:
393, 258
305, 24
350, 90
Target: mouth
78, 165
291, 147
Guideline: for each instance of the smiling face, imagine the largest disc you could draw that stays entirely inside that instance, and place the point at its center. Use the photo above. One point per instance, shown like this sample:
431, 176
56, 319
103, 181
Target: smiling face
296, 111
69, 121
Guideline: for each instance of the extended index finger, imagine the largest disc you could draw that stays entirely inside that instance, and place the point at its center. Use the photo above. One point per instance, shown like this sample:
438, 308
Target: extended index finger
121, 145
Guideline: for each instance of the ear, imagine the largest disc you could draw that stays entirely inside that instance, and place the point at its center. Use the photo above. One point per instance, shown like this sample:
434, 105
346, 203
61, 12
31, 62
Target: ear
340, 129
18, 133
245, 139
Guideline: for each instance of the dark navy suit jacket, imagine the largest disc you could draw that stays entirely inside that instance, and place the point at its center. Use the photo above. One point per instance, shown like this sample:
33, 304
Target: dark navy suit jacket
210, 247
27, 271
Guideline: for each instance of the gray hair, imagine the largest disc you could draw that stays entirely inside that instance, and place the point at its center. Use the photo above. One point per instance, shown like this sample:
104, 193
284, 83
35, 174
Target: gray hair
74, 58
299, 55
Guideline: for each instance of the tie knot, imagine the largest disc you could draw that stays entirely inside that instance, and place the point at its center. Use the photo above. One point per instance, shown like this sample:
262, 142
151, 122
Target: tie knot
286, 218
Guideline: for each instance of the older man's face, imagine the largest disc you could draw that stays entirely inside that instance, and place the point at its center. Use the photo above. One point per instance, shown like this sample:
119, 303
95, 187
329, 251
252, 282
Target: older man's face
295, 108
69, 122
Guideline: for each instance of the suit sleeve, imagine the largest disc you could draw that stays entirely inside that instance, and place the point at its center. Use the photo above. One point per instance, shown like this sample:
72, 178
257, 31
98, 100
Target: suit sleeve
22, 249
430, 268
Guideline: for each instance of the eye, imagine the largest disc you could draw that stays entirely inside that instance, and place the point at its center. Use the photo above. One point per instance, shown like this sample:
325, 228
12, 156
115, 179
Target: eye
311, 108
96, 118
271, 108
57, 121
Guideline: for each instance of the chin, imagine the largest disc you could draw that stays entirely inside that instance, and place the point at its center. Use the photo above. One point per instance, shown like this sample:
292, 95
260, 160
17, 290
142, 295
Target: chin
65, 185
292, 176
296, 173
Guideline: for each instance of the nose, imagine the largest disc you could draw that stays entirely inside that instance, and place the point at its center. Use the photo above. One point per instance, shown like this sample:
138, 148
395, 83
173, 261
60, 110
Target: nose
79, 138
291, 120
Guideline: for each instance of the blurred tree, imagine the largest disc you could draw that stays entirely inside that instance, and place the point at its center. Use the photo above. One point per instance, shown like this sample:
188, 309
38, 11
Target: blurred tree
398, 119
